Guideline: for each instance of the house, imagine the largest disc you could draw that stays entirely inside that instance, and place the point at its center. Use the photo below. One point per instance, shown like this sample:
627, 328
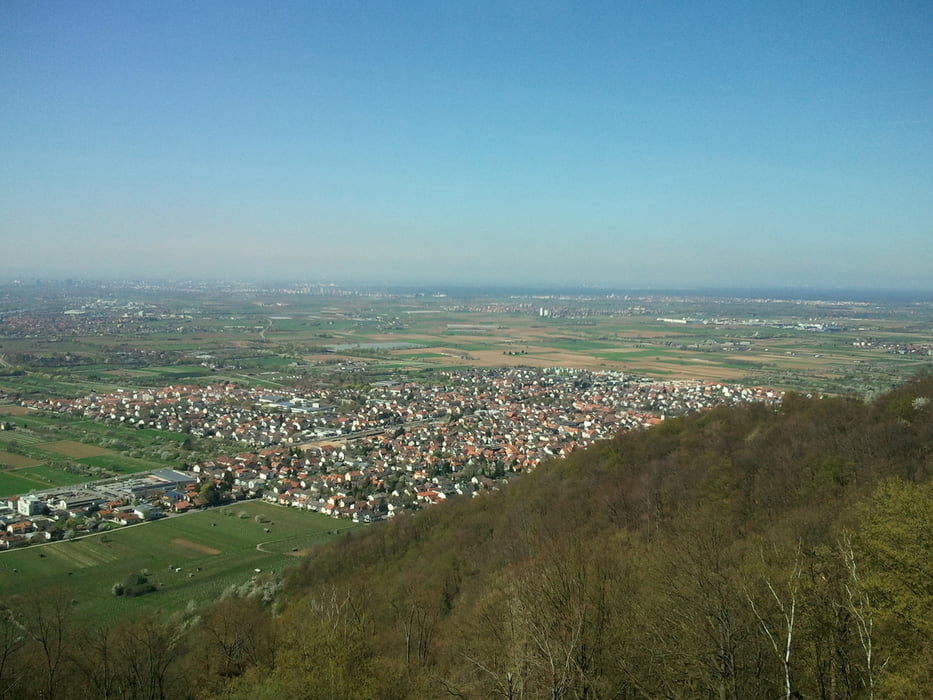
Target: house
182, 506
20, 528
10, 541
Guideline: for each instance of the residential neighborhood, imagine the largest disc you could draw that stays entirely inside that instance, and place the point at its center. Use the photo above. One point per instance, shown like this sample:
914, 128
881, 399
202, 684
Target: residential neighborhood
363, 454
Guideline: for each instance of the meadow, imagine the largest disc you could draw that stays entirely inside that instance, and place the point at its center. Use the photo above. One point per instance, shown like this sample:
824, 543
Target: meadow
188, 558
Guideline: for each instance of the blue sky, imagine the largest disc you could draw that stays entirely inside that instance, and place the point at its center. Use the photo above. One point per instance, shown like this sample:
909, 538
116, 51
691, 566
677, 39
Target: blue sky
604, 143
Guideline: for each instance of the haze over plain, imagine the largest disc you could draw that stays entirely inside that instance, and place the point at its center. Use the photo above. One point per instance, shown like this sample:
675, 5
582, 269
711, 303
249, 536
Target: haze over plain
610, 144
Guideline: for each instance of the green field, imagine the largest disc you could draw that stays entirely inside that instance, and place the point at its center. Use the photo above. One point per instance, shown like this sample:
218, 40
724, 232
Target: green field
52, 476
213, 549
105, 461
13, 483
37, 478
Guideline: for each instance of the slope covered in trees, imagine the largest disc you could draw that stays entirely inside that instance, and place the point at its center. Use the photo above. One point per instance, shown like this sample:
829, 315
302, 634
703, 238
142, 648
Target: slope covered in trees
747, 552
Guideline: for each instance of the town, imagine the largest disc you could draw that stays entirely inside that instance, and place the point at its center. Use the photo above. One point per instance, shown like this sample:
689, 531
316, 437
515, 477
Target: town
359, 454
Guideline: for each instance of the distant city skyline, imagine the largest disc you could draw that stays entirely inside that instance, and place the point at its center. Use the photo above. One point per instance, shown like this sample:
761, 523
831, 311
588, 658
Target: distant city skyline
607, 144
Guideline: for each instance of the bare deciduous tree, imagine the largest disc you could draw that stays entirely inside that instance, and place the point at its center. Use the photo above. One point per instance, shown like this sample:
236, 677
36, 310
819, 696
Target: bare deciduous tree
779, 627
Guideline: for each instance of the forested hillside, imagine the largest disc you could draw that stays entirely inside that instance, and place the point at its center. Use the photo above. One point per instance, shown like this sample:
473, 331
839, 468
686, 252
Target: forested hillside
749, 552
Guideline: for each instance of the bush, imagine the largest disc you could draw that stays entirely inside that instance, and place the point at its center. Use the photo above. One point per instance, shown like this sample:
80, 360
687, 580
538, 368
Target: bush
136, 584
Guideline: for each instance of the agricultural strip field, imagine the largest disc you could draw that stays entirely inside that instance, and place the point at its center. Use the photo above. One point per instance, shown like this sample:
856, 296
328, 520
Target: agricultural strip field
12, 410
76, 450
777, 357
12, 461
192, 557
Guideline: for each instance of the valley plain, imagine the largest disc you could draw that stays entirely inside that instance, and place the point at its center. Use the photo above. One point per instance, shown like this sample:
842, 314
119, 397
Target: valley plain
68, 341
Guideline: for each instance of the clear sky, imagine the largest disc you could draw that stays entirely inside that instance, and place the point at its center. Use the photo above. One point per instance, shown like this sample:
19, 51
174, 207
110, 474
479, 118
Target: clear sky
610, 143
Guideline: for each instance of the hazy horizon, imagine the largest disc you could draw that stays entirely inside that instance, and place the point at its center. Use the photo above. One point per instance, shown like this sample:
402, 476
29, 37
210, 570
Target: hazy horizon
601, 144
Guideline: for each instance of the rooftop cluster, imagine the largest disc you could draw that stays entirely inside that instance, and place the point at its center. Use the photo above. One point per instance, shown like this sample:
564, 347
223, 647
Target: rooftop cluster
367, 453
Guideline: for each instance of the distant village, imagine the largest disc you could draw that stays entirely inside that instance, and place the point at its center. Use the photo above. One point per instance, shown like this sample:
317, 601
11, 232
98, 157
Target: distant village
354, 453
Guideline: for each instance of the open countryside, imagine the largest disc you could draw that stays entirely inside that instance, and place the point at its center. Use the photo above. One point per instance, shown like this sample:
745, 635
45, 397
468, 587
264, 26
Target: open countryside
188, 559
